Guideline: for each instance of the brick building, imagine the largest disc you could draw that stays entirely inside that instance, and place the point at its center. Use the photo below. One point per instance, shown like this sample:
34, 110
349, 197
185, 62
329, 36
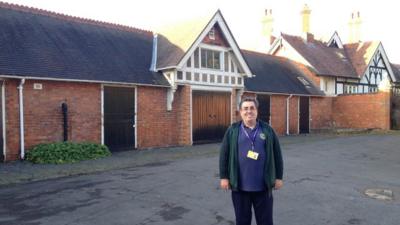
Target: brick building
360, 84
67, 78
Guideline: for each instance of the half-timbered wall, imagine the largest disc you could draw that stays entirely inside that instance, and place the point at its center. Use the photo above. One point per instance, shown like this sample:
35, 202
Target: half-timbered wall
373, 77
227, 74
327, 85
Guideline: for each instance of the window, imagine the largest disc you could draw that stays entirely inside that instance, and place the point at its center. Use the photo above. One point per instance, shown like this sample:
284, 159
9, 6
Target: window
189, 62
325, 85
196, 77
196, 58
226, 61
226, 80
204, 77
180, 77
210, 59
212, 78
219, 79
188, 76
239, 80
233, 80
350, 89
211, 34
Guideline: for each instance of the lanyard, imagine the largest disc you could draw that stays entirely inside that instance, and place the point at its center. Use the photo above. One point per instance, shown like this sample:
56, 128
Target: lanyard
253, 139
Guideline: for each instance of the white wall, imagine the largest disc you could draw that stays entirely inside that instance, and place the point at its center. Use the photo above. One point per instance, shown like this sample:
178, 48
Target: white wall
327, 84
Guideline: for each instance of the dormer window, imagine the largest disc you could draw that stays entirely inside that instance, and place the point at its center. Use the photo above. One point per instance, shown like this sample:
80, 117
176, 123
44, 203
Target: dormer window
211, 34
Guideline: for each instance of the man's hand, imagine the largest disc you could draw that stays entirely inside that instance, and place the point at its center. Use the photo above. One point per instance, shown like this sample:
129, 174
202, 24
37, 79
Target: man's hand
278, 184
224, 184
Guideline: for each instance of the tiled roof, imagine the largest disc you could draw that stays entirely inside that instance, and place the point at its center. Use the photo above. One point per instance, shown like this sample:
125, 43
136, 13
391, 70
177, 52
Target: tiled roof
42, 44
325, 60
396, 71
276, 75
174, 41
360, 54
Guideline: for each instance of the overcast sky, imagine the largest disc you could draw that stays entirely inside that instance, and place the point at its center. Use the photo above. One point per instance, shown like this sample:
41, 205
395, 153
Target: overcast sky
380, 18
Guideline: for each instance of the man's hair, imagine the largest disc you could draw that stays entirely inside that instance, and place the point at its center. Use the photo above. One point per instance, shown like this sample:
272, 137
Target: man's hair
248, 99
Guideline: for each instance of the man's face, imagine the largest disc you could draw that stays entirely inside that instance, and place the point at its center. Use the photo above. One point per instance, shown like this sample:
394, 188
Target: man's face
248, 111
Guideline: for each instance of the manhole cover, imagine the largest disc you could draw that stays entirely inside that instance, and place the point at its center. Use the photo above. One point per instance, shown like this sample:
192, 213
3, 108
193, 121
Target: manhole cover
380, 194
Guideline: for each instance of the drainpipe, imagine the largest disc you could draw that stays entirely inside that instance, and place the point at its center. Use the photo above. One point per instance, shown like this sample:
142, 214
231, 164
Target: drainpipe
287, 114
21, 116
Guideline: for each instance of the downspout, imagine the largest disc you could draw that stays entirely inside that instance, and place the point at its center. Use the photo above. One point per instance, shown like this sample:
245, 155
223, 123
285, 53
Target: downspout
287, 113
153, 66
21, 117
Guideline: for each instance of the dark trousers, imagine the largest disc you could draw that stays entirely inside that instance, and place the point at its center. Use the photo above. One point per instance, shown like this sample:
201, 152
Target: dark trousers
261, 202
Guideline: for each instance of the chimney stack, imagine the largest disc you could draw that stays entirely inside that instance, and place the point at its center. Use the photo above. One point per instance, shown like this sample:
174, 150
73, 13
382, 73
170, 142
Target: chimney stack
267, 28
305, 16
355, 27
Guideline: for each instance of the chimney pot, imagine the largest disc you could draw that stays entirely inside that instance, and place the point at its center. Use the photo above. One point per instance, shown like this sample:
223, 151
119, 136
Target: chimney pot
355, 27
310, 37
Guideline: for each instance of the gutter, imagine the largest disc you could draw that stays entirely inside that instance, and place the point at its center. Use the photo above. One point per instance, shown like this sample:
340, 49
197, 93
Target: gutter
21, 117
287, 114
81, 81
276, 93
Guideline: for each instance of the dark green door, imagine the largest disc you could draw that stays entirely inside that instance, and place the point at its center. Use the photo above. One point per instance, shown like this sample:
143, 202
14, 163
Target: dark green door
1, 123
304, 119
119, 118
264, 107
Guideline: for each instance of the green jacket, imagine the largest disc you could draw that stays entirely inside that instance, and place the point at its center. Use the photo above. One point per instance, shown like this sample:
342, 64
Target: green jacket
228, 159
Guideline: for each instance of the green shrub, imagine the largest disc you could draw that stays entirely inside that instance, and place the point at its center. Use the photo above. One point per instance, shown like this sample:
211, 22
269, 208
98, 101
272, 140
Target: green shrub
66, 152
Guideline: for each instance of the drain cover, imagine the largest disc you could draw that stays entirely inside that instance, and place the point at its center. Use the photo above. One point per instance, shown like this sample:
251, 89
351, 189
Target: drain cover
380, 194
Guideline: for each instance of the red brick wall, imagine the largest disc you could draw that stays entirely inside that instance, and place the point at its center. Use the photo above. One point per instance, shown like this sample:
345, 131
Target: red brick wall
293, 115
219, 38
278, 113
43, 116
184, 115
12, 120
362, 111
234, 109
158, 127
321, 113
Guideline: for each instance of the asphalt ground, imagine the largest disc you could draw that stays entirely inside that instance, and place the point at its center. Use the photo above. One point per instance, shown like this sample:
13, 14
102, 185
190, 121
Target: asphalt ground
325, 181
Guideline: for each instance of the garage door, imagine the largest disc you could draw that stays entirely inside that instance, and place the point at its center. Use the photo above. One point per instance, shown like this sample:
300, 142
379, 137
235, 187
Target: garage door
211, 115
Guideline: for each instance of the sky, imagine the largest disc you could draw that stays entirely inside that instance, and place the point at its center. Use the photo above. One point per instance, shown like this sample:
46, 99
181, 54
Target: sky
379, 18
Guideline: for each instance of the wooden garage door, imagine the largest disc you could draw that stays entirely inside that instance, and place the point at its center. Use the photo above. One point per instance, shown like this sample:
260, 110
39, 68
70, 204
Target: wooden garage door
211, 115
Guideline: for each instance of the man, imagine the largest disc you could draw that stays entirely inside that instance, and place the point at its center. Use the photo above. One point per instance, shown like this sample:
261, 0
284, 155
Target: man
251, 165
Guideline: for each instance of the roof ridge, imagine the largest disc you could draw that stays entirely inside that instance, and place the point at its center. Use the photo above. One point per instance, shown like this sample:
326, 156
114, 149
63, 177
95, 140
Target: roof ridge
66, 17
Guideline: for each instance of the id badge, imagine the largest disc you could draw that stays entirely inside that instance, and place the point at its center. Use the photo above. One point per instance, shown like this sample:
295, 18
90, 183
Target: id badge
252, 155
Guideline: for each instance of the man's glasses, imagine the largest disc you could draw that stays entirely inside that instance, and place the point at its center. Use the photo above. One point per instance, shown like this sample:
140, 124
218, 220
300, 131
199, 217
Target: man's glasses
248, 108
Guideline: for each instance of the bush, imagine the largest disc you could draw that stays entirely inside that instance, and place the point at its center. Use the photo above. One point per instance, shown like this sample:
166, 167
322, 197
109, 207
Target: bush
66, 152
